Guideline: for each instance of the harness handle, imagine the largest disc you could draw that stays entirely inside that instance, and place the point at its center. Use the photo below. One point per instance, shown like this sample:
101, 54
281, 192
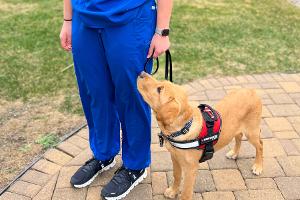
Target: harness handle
167, 65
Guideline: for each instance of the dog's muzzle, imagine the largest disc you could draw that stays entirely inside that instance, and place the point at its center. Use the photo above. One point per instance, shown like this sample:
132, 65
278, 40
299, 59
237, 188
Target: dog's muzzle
143, 74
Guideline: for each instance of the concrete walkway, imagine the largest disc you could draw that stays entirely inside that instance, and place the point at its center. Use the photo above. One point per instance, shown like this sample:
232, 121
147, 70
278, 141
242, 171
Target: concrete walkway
220, 178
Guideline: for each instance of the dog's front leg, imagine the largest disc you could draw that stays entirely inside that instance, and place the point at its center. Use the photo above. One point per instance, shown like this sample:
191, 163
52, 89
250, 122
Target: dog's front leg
172, 191
189, 174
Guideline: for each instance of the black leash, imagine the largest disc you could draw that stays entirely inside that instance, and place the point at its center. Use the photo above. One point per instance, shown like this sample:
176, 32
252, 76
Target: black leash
168, 66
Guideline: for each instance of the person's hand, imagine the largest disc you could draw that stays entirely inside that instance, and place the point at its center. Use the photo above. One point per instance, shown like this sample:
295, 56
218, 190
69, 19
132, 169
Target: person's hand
66, 36
159, 45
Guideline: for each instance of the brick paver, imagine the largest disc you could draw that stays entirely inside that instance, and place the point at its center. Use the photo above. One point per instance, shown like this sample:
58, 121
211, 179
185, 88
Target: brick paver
63, 180
159, 182
13, 196
47, 191
69, 194
267, 194
279, 124
69, 148
290, 165
271, 168
25, 189
218, 178
93, 193
289, 148
289, 186
46, 167
35, 177
218, 195
228, 179
57, 157
260, 184
219, 161
204, 182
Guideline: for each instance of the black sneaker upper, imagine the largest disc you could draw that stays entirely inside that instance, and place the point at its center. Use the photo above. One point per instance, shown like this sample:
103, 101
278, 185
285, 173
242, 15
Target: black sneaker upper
121, 182
88, 170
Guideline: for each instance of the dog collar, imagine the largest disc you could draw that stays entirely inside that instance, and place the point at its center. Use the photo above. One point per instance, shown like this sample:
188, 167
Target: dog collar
170, 137
184, 130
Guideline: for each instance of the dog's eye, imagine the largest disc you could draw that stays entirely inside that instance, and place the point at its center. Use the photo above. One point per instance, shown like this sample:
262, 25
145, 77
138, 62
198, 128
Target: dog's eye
159, 89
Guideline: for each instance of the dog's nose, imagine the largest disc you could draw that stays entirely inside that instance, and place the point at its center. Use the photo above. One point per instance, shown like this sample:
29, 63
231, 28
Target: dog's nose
143, 74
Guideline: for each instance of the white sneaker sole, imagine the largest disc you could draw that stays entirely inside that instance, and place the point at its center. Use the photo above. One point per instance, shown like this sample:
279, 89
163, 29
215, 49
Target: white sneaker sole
93, 178
139, 180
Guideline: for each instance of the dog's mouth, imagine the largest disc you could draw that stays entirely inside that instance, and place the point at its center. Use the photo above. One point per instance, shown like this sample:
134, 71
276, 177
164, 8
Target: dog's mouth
145, 85
143, 74
143, 78
140, 83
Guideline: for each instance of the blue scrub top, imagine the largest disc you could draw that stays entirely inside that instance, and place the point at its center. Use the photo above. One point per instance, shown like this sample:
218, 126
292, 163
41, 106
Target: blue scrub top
104, 13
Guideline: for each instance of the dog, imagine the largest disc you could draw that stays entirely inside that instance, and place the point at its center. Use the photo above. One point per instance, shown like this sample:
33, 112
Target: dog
240, 111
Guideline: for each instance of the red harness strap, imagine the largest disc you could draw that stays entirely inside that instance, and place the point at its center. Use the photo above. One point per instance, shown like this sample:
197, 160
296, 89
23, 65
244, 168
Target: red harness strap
211, 129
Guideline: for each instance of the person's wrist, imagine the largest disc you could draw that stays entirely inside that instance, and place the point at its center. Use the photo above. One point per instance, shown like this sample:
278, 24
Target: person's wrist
160, 36
67, 19
162, 31
68, 23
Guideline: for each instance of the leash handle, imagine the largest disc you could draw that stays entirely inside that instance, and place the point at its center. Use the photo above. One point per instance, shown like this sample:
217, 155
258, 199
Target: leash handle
148, 60
168, 65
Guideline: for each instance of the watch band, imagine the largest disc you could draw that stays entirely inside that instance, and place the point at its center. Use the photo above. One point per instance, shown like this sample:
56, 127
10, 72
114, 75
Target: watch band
162, 32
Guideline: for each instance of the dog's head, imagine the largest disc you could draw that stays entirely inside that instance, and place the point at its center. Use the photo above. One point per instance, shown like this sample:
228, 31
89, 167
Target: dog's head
167, 100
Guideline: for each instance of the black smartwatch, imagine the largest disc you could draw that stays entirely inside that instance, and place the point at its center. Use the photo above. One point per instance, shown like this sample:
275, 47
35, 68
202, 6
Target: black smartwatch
162, 32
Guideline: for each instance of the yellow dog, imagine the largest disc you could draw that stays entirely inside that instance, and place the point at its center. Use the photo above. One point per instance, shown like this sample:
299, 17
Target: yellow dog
241, 114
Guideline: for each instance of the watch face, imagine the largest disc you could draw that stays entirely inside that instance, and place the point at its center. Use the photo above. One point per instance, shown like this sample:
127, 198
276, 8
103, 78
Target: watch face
165, 32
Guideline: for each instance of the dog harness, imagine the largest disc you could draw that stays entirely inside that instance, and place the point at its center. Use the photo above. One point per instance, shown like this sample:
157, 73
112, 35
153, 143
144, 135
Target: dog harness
208, 136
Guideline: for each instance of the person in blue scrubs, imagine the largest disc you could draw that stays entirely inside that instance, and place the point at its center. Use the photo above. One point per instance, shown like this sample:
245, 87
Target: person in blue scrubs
110, 41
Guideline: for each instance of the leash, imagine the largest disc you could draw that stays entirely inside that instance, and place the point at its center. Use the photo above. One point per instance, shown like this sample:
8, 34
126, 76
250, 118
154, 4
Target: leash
168, 66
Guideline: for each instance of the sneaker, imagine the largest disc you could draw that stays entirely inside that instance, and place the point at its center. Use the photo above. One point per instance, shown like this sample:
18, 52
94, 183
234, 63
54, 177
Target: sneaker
86, 174
122, 183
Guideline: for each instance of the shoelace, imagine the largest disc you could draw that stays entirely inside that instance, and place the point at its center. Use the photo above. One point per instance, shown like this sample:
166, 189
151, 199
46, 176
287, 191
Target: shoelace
89, 165
122, 174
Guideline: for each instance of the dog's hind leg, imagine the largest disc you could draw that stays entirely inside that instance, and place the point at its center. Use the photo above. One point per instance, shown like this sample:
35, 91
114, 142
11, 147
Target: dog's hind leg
172, 191
254, 138
233, 153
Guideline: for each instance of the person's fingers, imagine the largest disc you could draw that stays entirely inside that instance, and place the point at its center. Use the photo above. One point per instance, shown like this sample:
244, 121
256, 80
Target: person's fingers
69, 42
65, 43
151, 49
157, 53
63, 40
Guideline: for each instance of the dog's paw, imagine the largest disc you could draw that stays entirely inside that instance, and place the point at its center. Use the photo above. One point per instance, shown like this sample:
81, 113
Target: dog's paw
231, 155
170, 193
257, 169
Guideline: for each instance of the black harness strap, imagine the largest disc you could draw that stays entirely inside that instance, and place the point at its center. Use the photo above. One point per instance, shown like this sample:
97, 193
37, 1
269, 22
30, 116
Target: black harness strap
183, 131
208, 152
210, 117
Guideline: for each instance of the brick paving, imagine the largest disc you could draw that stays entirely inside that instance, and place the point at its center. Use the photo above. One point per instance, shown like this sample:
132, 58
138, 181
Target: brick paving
218, 178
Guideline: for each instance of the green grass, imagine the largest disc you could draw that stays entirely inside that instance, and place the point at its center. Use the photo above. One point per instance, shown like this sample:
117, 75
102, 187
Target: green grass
234, 37
208, 37
25, 148
71, 104
30, 56
48, 140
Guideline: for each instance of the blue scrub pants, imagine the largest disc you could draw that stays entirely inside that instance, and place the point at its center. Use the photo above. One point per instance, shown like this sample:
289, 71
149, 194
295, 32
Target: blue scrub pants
107, 63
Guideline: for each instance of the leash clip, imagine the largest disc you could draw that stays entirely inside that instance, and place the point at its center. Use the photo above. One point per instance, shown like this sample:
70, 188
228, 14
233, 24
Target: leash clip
161, 140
